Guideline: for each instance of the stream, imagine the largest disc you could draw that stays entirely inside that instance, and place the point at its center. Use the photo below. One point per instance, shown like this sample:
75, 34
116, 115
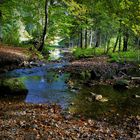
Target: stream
47, 86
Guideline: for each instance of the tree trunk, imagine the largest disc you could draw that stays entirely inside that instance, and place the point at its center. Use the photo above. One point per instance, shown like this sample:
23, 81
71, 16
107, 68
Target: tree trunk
81, 38
97, 39
78, 39
86, 38
138, 42
45, 26
108, 46
125, 41
117, 39
91, 39
120, 42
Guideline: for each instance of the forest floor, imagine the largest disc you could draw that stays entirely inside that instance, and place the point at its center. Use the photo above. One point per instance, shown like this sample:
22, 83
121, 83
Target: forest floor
21, 121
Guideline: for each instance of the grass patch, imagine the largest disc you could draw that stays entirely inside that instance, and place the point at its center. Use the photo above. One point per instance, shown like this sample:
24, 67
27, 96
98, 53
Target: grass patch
129, 56
87, 52
132, 55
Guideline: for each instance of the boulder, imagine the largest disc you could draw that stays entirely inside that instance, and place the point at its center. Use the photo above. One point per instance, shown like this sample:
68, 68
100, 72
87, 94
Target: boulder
12, 86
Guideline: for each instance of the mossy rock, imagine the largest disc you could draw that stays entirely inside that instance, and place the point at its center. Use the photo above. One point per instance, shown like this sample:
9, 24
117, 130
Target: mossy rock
12, 86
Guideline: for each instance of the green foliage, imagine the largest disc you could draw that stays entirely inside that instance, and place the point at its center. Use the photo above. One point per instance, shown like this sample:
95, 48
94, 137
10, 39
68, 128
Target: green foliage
129, 56
79, 53
133, 55
10, 33
88, 52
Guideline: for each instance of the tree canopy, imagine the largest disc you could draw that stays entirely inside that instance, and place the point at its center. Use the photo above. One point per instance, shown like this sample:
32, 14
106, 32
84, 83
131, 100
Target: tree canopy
74, 23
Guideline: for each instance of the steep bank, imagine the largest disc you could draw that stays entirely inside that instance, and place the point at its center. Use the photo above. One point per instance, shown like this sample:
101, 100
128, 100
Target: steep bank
15, 57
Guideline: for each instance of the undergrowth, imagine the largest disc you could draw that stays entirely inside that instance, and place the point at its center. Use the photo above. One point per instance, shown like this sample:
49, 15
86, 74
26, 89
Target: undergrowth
132, 55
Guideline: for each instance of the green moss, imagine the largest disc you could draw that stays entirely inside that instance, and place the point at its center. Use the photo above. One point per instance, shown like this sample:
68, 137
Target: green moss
12, 86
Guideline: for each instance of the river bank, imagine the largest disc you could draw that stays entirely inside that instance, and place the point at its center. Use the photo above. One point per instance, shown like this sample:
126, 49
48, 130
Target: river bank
16, 57
98, 70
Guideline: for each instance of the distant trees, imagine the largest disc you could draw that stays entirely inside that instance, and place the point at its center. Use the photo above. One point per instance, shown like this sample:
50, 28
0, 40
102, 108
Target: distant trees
105, 20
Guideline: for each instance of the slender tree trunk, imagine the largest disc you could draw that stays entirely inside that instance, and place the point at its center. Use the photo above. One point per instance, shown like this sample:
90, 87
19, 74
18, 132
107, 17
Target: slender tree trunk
78, 41
120, 36
125, 41
138, 42
97, 39
91, 38
81, 38
45, 26
120, 42
86, 38
117, 39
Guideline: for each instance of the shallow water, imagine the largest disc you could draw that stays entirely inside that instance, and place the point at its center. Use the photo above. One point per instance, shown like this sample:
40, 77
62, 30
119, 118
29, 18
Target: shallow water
119, 102
43, 86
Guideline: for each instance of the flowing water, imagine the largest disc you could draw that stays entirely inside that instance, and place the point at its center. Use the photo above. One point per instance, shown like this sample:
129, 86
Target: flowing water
46, 86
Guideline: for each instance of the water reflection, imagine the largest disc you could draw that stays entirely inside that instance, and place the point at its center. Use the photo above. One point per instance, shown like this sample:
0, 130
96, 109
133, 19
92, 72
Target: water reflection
48, 88
119, 102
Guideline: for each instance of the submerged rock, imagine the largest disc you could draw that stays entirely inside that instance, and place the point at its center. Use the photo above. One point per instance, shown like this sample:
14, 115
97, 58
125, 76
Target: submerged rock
12, 86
